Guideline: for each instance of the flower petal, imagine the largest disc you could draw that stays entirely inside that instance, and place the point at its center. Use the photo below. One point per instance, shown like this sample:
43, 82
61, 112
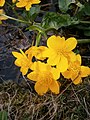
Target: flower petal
78, 57
28, 6
55, 42
39, 52
48, 52
67, 74
55, 73
21, 3
41, 87
17, 55
39, 66
33, 76
70, 44
63, 64
85, 71
35, 1
18, 62
24, 70
13, 1
54, 87
2, 2
78, 80
1, 16
53, 59
72, 57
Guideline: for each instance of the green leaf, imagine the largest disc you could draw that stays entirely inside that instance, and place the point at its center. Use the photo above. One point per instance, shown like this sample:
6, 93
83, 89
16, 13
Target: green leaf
87, 9
3, 115
34, 10
84, 11
32, 14
55, 21
64, 4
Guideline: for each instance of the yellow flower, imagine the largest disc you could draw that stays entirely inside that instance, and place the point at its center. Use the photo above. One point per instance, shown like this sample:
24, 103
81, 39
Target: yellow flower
22, 61
2, 17
27, 3
14, 1
75, 71
2, 2
45, 77
36, 52
59, 51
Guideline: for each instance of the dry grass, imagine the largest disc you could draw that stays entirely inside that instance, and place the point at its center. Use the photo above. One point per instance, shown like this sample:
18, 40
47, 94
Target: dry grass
22, 103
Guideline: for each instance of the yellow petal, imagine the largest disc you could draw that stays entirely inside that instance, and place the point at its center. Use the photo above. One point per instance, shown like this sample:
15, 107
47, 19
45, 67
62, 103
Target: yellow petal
21, 3
41, 87
78, 57
39, 53
2, 2
55, 42
33, 76
35, 1
30, 50
48, 52
53, 59
17, 55
28, 6
39, 66
13, 1
78, 80
54, 87
70, 44
55, 73
24, 55
24, 70
72, 56
63, 64
85, 71
1, 16
18, 62
67, 74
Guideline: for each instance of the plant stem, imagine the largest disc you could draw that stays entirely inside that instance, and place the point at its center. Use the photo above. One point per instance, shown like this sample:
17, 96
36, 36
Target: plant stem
15, 19
81, 41
85, 22
38, 38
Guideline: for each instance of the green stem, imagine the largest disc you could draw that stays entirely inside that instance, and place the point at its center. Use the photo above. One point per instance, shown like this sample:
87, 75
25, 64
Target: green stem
15, 19
85, 22
80, 41
38, 38
35, 27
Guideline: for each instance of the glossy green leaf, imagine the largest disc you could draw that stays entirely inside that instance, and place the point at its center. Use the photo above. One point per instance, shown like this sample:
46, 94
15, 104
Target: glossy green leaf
87, 9
56, 21
64, 4
34, 10
32, 14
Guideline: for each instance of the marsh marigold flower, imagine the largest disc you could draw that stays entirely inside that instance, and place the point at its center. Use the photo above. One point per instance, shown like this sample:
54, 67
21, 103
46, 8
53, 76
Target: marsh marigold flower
75, 71
2, 2
27, 3
59, 51
37, 52
22, 61
45, 77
